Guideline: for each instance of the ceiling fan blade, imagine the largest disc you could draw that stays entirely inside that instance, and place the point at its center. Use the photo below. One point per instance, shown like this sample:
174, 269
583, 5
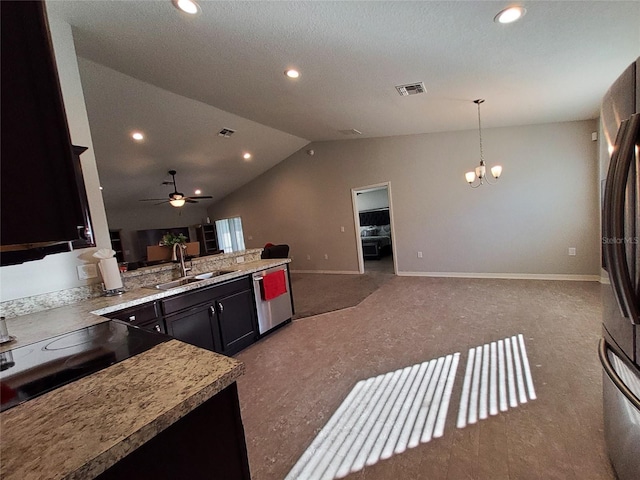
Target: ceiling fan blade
152, 199
160, 203
189, 200
202, 197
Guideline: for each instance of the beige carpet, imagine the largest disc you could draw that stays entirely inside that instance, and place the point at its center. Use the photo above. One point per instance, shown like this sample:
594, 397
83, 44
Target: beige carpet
315, 293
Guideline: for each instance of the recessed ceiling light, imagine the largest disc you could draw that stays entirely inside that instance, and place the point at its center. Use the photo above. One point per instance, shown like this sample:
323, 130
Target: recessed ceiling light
186, 6
246, 156
510, 14
137, 136
198, 191
291, 73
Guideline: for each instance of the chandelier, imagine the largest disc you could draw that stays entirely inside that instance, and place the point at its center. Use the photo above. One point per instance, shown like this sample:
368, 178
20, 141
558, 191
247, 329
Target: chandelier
481, 171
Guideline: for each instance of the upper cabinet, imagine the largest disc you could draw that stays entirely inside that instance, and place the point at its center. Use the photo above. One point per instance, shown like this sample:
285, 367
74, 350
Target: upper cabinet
43, 198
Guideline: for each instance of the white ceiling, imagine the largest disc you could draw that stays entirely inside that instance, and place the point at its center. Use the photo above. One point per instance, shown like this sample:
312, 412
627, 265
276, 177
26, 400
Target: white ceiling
225, 68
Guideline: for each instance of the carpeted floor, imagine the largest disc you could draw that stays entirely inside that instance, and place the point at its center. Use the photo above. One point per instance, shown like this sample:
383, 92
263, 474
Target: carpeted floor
315, 293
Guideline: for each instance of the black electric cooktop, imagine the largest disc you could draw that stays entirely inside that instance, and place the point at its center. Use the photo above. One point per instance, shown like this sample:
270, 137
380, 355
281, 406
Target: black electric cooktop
32, 370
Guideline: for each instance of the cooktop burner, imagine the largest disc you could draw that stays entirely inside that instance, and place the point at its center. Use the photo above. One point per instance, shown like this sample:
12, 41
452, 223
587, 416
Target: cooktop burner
32, 370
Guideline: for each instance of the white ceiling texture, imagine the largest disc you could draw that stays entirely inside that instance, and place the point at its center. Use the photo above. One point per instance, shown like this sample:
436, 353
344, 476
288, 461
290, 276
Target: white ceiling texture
180, 78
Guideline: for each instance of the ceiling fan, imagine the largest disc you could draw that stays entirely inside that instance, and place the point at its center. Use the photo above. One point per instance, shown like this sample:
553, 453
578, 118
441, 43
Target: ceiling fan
176, 198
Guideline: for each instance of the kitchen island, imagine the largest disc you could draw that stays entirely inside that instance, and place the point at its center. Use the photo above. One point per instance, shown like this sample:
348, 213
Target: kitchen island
81, 429
150, 410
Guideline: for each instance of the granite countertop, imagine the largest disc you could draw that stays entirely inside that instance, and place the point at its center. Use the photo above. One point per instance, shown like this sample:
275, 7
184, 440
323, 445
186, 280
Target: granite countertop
79, 430
48, 323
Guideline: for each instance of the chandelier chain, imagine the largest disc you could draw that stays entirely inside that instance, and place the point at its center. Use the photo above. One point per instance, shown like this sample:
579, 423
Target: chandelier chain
478, 102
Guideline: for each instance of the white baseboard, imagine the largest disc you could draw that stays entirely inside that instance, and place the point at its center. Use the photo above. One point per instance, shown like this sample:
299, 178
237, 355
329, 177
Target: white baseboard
505, 276
605, 280
339, 272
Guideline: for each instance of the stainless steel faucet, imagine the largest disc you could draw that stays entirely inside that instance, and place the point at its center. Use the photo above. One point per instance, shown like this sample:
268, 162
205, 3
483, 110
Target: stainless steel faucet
182, 248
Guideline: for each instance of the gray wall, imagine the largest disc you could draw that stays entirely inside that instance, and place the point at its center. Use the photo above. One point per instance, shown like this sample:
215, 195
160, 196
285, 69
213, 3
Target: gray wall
132, 219
545, 202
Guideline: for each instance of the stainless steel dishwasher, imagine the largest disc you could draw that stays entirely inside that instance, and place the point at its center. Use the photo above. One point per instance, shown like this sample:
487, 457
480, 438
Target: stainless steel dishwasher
276, 311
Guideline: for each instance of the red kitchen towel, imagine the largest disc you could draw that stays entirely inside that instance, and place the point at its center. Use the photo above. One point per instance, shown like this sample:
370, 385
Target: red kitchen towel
273, 285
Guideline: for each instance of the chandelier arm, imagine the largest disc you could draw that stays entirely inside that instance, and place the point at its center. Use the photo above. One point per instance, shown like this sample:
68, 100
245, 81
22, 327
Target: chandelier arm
476, 185
489, 182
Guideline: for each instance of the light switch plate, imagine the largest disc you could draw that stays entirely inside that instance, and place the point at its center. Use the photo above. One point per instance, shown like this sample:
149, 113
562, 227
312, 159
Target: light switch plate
85, 272
572, 251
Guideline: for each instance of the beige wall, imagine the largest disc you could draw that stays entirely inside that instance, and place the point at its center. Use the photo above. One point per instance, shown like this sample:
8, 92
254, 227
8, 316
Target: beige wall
58, 272
545, 202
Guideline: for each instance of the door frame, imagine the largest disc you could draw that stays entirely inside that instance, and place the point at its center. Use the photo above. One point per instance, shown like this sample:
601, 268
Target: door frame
356, 219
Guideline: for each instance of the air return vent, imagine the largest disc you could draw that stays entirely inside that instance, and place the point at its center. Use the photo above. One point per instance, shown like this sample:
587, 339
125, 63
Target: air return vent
226, 132
411, 89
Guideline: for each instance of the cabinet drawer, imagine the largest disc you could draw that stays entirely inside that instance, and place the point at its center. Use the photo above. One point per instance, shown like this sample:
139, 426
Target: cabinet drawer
138, 314
156, 325
208, 294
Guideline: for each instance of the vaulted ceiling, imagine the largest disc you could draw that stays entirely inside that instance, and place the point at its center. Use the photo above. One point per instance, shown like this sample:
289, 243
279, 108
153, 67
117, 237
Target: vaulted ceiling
180, 78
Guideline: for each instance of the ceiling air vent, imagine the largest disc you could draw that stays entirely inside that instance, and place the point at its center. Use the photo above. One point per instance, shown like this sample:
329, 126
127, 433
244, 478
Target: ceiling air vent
411, 89
351, 131
226, 132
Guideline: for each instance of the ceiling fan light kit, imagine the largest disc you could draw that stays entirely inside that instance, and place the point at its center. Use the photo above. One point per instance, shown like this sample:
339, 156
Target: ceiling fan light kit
176, 199
481, 171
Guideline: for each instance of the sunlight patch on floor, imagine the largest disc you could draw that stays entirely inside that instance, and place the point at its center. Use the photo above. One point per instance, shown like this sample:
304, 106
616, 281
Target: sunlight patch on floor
495, 380
380, 417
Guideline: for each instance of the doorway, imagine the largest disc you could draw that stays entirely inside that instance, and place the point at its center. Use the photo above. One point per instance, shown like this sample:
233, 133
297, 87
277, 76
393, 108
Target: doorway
375, 235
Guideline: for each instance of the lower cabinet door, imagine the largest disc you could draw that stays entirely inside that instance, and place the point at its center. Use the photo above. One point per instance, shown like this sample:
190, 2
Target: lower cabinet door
192, 326
236, 321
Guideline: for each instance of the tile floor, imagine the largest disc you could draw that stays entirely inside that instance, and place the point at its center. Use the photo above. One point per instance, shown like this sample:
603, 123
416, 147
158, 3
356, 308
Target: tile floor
300, 375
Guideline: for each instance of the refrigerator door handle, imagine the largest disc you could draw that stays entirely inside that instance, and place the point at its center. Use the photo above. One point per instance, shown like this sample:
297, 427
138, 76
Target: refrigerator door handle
616, 258
613, 375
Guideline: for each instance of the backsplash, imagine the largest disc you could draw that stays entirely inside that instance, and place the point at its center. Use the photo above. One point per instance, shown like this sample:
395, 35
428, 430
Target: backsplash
135, 279
147, 276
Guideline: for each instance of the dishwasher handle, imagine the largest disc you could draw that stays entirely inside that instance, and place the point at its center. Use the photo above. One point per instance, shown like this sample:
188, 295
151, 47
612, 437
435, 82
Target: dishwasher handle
613, 375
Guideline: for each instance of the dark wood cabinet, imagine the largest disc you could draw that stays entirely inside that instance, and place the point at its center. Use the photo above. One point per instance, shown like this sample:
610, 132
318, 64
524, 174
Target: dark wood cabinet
147, 316
207, 443
236, 321
208, 239
193, 326
42, 191
221, 318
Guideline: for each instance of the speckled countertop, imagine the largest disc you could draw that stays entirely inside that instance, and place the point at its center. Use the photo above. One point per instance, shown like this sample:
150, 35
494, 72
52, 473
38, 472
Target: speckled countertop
56, 321
79, 430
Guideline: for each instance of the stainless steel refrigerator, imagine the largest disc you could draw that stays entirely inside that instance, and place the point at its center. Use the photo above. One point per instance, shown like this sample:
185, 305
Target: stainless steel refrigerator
620, 346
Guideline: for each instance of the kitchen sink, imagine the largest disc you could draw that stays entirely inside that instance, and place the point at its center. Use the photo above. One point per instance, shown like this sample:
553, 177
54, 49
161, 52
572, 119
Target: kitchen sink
190, 279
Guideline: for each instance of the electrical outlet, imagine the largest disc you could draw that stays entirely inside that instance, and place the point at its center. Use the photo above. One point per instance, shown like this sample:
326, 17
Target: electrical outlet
250, 237
326, 256
342, 229
419, 254
85, 272
240, 259
308, 257
572, 251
